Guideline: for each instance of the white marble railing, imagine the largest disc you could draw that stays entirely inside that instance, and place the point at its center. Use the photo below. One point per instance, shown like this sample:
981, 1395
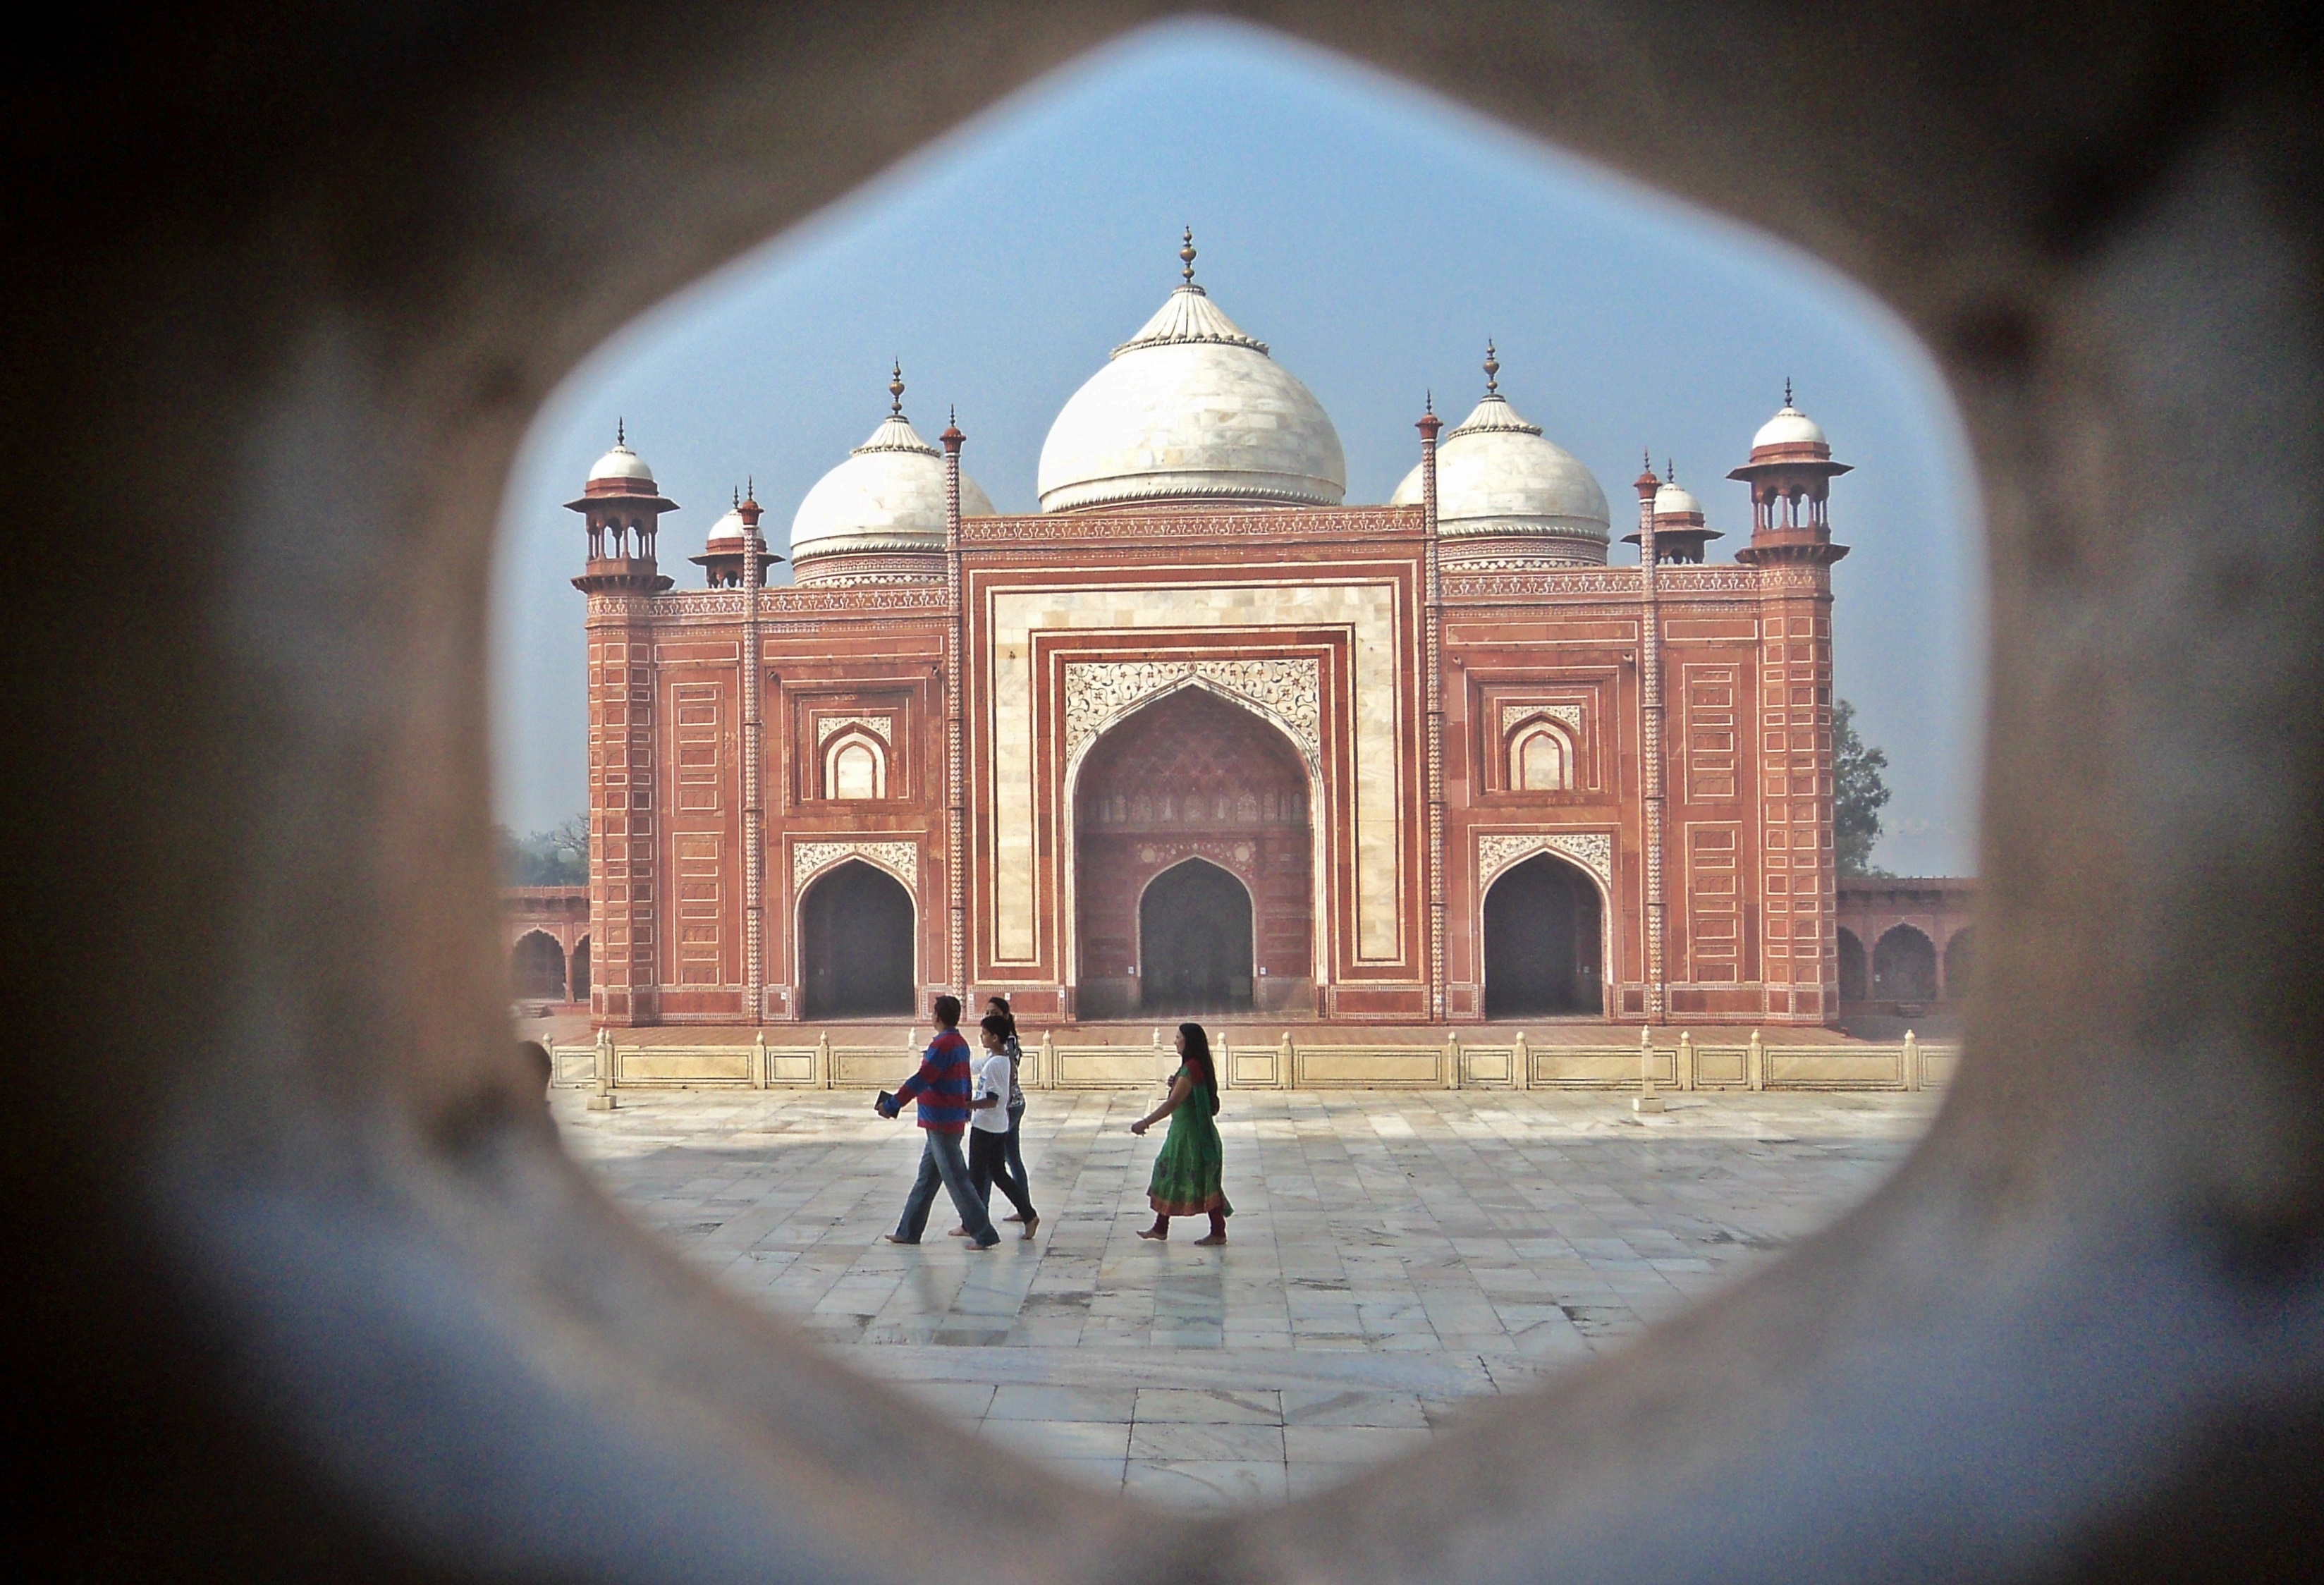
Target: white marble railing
1494, 1063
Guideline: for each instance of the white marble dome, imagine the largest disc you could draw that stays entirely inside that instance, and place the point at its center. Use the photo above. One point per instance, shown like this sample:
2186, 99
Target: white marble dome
1192, 409
1496, 475
730, 527
1791, 427
889, 495
621, 464
1670, 500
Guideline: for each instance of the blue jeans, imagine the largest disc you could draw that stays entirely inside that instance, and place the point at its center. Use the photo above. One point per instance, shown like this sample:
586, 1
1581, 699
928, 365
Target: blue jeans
942, 1162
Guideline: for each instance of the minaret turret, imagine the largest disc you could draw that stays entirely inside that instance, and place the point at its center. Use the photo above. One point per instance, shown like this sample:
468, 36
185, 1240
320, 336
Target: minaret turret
1790, 473
623, 508
1680, 531
735, 541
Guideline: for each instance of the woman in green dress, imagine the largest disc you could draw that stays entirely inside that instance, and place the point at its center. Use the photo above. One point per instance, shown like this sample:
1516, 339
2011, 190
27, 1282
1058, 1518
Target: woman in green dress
1186, 1171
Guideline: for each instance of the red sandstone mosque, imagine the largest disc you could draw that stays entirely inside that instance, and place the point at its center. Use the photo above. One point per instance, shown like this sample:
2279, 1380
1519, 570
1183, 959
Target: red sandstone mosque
1199, 736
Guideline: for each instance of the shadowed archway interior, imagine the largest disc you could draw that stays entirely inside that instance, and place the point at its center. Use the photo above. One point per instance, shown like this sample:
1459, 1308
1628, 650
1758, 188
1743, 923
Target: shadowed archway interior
1542, 941
536, 968
855, 944
1195, 940
1904, 966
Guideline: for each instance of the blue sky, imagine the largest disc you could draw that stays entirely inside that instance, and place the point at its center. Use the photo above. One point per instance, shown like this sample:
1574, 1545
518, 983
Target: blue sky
1374, 235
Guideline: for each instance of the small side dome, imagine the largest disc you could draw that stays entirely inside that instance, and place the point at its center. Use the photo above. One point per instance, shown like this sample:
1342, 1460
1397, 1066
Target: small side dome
1791, 436
728, 529
1671, 501
889, 495
1496, 476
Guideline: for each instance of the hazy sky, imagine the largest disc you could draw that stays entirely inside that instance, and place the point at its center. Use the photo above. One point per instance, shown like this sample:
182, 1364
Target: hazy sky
1374, 236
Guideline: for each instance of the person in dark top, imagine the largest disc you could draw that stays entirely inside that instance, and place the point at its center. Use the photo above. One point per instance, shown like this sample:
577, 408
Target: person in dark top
941, 1088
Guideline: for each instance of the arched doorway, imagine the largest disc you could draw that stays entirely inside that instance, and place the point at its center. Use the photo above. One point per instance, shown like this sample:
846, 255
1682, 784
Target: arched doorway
1853, 986
1194, 942
1192, 776
855, 945
1904, 966
1960, 961
536, 968
1542, 941
579, 974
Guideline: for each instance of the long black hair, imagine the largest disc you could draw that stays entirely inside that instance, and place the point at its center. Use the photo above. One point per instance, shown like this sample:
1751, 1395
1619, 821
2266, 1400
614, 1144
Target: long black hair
1198, 1056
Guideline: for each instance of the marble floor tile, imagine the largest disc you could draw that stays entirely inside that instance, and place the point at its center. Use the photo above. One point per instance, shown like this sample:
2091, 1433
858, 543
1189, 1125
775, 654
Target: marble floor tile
1017, 1401
1059, 1439
1206, 1482
1164, 1404
1169, 1439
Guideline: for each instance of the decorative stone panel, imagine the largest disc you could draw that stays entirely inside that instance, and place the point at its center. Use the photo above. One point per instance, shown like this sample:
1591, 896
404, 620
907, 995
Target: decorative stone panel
1593, 850
882, 724
899, 858
1291, 691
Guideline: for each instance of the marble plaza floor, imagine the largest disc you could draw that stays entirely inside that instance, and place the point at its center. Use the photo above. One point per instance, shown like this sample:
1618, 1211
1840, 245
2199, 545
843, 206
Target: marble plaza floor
1393, 1256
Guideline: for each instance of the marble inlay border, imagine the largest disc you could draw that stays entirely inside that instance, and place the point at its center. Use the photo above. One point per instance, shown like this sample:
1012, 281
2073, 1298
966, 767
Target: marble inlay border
885, 726
1593, 850
1290, 690
1511, 714
899, 858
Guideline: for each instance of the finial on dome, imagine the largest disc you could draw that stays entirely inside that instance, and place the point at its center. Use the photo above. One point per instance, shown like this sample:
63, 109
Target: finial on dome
738, 500
1669, 471
1787, 391
1492, 369
619, 437
1186, 256
896, 391
1648, 455
1428, 403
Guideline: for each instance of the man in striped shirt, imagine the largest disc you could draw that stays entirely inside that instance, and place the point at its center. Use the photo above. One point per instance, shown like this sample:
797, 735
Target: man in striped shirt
942, 1087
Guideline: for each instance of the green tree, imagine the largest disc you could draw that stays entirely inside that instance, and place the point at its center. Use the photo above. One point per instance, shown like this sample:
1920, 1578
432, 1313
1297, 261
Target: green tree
1858, 793
545, 858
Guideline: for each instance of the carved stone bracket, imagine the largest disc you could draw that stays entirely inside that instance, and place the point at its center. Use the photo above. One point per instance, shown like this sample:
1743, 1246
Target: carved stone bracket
1593, 850
899, 858
1288, 691
884, 725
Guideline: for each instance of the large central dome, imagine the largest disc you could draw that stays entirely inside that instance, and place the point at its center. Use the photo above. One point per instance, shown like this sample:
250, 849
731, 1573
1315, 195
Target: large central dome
1192, 409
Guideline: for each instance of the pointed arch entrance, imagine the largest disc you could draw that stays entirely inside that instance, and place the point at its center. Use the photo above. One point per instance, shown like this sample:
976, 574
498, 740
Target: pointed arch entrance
1543, 941
536, 968
1195, 945
856, 926
1192, 776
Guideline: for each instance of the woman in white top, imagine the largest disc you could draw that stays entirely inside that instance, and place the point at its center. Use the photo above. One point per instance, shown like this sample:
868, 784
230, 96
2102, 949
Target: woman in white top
990, 1123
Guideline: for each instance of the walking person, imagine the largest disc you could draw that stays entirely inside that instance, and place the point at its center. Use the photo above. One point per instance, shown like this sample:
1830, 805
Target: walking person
1013, 1167
988, 1125
941, 1088
1188, 1168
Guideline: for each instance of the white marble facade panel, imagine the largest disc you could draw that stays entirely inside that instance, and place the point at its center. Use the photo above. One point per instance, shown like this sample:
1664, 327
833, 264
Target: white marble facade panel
1368, 609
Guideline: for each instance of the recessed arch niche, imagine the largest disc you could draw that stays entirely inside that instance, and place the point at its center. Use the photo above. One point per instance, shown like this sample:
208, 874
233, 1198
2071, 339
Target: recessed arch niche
1193, 775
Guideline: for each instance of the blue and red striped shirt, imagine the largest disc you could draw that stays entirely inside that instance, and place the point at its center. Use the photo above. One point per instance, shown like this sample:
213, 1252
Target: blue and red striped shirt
943, 1085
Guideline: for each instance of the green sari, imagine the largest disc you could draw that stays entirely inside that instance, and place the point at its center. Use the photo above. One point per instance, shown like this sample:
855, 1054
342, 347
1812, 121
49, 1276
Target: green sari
1187, 1170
